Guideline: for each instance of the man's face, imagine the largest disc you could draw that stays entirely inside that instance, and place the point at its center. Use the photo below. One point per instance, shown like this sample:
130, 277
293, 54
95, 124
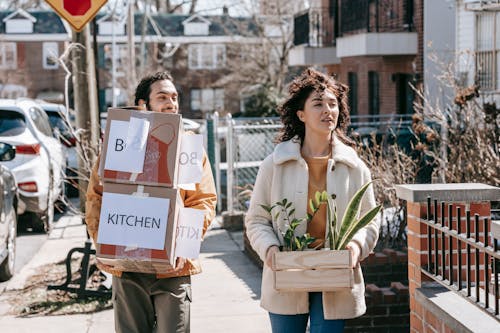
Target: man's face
163, 97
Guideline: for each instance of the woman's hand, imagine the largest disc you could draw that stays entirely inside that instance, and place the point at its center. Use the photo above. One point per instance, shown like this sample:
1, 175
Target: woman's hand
269, 255
355, 253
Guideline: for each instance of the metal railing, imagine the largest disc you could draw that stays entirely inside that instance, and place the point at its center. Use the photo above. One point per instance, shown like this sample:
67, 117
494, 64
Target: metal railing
447, 239
314, 28
241, 144
376, 16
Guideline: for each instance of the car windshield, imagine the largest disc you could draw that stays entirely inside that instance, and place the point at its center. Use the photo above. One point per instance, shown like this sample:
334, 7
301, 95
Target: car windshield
57, 122
11, 123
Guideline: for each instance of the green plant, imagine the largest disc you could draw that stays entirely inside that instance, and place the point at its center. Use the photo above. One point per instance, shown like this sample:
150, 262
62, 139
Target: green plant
291, 242
337, 239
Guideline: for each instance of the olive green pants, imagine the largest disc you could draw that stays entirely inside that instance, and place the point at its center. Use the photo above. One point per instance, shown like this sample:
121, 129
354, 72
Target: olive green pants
143, 303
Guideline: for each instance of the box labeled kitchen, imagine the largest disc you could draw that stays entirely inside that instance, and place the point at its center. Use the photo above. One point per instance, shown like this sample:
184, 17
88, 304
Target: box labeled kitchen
313, 271
141, 147
137, 229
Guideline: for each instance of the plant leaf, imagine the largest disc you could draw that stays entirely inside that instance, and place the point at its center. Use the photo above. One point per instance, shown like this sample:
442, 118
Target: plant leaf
311, 205
352, 210
267, 208
317, 197
367, 218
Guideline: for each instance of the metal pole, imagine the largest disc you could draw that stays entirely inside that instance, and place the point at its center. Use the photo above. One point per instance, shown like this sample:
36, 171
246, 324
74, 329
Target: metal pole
217, 158
230, 163
131, 42
113, 61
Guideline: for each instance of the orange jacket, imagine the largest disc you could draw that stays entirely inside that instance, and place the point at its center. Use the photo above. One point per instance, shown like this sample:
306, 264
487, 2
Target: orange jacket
204, 198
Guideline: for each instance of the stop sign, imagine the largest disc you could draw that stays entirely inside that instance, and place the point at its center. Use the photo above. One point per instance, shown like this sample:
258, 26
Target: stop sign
77, 7
77, 12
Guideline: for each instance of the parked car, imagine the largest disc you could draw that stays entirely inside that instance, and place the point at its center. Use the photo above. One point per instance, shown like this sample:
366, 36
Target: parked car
8, 214
39, 164
62, 124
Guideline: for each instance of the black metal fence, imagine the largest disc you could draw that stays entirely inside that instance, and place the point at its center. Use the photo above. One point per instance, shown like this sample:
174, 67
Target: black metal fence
450, 241
314, 27
376, 16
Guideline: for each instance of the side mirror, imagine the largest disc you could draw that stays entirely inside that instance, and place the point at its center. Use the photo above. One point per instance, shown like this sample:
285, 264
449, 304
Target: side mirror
7, 152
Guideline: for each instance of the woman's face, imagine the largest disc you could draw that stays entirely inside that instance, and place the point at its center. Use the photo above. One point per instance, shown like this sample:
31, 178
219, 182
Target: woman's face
321, 112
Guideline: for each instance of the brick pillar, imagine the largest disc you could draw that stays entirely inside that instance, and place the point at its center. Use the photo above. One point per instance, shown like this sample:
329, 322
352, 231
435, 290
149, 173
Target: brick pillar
475, 197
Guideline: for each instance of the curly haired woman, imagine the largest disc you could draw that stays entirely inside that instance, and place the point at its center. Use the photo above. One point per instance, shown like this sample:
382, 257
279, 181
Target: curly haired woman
313, 154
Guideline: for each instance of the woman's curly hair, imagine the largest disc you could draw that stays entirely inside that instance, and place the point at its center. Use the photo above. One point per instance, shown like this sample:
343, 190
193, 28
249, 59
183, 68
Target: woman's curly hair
299, 90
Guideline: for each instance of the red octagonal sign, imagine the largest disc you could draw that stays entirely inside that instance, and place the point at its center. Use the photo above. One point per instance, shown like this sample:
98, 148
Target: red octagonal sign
77, 7
77, 12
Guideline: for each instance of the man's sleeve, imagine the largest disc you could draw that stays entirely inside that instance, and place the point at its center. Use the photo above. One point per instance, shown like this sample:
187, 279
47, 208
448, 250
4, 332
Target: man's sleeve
93, 203
204, 197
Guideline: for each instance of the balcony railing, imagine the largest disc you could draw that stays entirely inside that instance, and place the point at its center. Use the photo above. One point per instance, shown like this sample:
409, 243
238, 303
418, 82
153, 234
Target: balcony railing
376, 16
314, 27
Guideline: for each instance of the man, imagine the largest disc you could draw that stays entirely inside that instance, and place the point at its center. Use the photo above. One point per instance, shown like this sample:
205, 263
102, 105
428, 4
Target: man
145, 301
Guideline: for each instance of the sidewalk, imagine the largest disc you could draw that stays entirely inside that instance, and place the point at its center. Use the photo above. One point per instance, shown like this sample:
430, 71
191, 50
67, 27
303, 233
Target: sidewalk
225, 296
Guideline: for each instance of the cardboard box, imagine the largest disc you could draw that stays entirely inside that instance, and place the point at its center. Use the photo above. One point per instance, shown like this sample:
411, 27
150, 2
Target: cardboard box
161, 152
126, 221
311, 271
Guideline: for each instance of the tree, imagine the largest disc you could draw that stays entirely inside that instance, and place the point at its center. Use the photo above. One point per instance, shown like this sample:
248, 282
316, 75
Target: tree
260, 59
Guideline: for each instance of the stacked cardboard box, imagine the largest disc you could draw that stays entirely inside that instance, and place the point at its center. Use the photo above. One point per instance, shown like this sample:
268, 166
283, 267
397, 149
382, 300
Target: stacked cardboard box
140, 202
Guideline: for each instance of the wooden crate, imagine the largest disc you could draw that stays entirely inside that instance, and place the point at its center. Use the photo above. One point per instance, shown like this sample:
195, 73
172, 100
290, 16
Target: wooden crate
323, 270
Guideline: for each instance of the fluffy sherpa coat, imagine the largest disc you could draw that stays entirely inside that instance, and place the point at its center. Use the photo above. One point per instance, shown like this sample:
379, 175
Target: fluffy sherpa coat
284, 174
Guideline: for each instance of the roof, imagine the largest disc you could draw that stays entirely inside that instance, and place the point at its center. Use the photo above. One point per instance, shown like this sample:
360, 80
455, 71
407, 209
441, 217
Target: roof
47, 22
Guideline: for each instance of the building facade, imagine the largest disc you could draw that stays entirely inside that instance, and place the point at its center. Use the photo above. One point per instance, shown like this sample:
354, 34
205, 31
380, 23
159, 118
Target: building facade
376, 47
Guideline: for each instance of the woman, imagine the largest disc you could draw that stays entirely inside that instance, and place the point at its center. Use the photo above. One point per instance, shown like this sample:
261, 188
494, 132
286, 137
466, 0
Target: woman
314, 154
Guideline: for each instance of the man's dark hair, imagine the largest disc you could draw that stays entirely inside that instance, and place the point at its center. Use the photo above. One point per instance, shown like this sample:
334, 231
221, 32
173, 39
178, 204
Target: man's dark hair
144, 87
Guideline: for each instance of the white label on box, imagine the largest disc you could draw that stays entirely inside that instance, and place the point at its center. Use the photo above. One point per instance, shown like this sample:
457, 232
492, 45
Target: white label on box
189, 233
121, 157
190, 160
137, 135
133, 221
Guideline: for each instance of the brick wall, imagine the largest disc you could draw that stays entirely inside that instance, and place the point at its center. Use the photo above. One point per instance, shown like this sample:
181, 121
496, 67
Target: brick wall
421, 318
386, 67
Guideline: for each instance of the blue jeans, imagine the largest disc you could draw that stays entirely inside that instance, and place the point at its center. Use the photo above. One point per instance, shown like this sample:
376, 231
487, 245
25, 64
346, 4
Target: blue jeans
298, 323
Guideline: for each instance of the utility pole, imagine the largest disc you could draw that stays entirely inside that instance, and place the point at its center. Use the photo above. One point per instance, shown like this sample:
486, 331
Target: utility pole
131, 42
87, 115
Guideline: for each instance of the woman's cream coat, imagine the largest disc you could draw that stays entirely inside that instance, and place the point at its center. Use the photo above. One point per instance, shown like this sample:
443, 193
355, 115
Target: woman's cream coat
284, 174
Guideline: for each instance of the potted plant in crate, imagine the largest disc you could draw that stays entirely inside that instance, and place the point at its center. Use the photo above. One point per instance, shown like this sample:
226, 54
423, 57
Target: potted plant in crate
329, 269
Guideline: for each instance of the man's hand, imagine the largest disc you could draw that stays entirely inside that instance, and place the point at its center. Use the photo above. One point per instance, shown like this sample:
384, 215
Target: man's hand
269, 255
355, 253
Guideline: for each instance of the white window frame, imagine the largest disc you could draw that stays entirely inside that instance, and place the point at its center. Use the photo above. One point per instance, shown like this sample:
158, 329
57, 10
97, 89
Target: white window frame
207, 99
121, 58
50, 49
5, 48
488, 50
205, 56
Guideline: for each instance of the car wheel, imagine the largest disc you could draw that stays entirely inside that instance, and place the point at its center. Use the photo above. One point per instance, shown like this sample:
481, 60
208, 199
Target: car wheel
7, 267
42, 222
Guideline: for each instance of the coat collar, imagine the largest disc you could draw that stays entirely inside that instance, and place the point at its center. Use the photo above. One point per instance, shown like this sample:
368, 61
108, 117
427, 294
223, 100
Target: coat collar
290, 150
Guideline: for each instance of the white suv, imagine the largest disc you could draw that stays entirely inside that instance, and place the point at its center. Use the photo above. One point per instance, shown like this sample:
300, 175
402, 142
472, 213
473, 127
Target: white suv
39, 164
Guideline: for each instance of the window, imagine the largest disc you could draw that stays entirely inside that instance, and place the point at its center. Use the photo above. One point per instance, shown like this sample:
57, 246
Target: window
373, 93
206, 56
404, 93
8, 55
121, 57
41, 121
352, 79
207, 99
50, 55
487, 50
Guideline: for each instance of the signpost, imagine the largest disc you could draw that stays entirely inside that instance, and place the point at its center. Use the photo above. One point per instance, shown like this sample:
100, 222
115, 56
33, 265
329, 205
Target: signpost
77, 12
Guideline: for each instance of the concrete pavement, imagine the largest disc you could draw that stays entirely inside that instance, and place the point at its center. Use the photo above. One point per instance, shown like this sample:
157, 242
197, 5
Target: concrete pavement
225, 296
